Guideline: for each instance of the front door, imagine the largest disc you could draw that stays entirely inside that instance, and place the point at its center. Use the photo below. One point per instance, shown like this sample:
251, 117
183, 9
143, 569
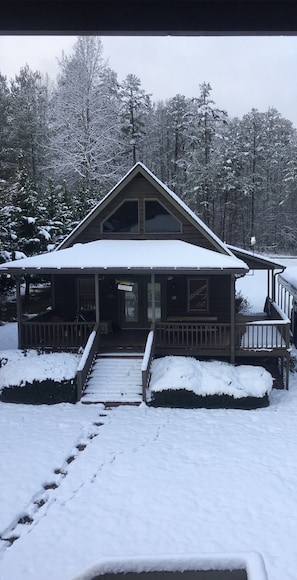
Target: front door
138, 305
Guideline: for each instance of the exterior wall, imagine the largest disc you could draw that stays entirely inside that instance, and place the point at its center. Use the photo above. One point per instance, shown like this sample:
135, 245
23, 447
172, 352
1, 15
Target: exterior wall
65, 296
108, 301
219, 297
139, 188
174, 297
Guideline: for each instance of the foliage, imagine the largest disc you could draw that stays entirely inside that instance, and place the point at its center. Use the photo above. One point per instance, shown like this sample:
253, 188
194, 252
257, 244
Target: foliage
241, 303
63, 145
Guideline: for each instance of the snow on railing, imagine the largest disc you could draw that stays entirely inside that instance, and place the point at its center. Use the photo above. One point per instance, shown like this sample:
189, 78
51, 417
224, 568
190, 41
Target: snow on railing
146, 362
86, 360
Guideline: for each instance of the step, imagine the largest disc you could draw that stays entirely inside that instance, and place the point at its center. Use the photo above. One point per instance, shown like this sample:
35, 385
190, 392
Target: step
115, 379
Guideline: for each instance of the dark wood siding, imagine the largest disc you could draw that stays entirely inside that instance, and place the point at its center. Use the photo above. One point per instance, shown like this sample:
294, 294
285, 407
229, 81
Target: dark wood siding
219, 297
108, 301
65, 289
141, 189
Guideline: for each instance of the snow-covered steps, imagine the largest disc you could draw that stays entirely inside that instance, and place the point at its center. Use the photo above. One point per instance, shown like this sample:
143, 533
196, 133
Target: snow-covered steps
115, 379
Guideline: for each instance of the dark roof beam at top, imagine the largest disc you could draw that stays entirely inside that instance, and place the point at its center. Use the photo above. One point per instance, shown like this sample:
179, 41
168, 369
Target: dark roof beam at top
151, 17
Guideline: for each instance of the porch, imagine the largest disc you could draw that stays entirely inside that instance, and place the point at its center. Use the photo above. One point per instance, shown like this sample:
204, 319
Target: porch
267, 333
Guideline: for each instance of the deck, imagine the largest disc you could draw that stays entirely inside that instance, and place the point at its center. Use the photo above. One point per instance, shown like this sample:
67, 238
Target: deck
250, 336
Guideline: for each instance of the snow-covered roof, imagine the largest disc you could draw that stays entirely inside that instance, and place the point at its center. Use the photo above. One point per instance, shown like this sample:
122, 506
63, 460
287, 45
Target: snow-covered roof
140, 167
266, 263
123, 255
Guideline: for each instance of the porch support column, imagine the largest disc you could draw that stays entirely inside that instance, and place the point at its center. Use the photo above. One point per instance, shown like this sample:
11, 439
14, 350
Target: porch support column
153, 299
19, 309
232, 319
97, 298
268, 283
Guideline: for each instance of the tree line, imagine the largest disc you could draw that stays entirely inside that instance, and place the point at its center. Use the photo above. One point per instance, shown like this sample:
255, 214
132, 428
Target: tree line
65, 143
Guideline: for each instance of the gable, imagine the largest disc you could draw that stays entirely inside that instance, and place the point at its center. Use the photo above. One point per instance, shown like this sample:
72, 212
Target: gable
142, 207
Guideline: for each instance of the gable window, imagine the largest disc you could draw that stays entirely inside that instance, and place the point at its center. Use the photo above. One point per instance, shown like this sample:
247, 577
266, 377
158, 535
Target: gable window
123, 219
158, 219
197, 295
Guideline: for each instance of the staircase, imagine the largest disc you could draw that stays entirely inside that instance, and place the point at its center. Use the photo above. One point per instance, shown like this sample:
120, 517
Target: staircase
115, 379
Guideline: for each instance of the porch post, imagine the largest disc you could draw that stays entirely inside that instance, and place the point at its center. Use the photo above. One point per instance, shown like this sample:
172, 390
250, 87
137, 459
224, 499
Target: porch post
268, 283
153, 298
19, 308
232, 319
273, 282
97, 298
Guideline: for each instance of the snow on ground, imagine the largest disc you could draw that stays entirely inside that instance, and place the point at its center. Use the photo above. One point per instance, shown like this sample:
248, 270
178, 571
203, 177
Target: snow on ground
35, 440
8, 336
90, 484
154, 481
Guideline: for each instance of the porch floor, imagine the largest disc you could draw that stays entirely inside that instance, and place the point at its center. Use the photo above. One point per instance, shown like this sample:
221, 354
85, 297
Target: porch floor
123, 340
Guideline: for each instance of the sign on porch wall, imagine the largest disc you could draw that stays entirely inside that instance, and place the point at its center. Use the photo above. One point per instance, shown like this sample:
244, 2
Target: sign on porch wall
125, 285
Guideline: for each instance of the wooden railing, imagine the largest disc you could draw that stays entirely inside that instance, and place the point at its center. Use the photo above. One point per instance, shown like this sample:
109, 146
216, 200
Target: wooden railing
62, 335
86, 361
185, 335
271, 336
147, 362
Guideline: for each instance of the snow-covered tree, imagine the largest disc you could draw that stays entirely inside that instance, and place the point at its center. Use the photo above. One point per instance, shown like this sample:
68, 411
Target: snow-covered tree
28, 122
85, 129
5, 151
135, 105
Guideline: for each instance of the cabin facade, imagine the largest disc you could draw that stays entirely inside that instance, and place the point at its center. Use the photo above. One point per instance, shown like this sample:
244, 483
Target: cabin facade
143, 264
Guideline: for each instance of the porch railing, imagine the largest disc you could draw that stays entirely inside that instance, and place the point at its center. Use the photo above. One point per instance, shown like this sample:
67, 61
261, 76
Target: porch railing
271, 336
61, 335
86, 361
186, 335
147, 362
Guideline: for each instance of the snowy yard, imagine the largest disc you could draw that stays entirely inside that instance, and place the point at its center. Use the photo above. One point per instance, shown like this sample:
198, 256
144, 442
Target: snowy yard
80, 484
149, 481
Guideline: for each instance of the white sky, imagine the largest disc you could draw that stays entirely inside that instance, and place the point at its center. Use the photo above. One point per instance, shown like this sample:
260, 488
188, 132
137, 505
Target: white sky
244, 72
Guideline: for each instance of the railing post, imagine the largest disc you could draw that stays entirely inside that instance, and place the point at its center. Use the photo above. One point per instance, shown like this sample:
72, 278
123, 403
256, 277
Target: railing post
232, 319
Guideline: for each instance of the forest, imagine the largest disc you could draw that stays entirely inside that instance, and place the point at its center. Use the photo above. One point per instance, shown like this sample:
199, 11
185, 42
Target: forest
65, 143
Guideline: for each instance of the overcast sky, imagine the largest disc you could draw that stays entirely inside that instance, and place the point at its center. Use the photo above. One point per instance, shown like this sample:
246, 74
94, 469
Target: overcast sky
244, 72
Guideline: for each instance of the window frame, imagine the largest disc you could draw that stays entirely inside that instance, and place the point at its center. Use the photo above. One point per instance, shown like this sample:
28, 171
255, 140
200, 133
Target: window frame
168, 211
102, 231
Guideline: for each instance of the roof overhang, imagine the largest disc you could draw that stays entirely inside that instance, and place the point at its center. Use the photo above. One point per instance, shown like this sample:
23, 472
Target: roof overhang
255, 261
135, 256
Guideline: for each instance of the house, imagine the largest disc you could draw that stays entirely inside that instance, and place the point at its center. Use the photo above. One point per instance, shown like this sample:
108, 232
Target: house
143, 264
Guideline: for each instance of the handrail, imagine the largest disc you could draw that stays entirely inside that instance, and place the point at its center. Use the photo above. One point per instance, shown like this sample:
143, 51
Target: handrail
86, 361
147, 362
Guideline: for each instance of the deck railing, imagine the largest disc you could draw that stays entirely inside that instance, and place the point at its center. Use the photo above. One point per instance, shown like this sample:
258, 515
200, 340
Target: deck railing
191, 335
215, 338
62, 335
86, 361
270, 335
147, 362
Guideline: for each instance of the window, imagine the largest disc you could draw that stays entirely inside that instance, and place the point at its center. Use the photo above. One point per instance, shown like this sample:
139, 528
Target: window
198, 295
123, 219
158, 219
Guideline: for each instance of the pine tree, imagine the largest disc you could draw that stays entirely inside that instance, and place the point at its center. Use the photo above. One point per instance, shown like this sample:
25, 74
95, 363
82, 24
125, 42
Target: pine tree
135, 105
